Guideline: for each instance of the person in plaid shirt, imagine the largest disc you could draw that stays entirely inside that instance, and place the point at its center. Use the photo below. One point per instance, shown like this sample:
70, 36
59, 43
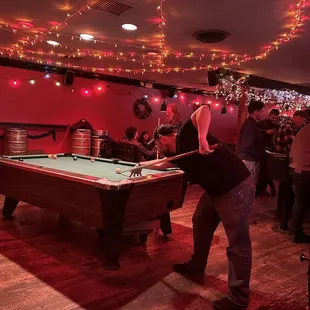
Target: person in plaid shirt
288, 130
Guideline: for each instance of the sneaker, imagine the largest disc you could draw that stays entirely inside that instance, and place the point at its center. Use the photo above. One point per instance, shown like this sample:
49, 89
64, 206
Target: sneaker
226, 304
273, 192
184, 270
300, 238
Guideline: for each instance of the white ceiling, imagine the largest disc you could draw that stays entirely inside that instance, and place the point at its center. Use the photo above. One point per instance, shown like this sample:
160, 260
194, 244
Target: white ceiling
253, 26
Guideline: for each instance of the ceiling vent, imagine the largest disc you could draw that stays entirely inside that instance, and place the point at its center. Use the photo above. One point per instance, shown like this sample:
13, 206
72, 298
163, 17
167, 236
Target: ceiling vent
210, 36
111, 7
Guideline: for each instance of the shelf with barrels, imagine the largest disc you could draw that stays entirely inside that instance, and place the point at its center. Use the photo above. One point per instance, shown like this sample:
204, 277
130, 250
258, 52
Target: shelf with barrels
87, 142
16, 136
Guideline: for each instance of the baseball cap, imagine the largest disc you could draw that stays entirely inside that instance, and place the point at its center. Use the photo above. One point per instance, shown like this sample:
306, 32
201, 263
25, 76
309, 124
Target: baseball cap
162, 130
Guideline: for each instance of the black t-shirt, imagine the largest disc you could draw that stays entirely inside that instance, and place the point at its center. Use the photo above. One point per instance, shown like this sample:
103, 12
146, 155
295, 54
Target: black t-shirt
250, 144
218, 172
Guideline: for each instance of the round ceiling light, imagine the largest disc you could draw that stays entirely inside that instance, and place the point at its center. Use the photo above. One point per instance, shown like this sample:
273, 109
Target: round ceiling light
129, 27
26, 24
152, 53
54, 43
86, 36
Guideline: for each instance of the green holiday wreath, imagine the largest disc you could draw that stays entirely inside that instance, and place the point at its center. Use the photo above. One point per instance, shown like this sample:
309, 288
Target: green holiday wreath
142, 108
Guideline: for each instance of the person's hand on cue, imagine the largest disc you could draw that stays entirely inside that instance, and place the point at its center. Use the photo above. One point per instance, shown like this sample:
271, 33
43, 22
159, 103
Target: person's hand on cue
136, 171
204, 148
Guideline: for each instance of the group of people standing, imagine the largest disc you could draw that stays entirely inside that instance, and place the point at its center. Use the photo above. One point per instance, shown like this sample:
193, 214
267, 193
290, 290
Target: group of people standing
256, 135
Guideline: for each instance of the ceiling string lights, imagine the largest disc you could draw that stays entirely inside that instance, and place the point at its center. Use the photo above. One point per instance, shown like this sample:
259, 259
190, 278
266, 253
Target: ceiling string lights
139, 61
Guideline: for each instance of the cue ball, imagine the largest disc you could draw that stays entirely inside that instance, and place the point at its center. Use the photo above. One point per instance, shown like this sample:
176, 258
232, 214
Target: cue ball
74, 158
92, 160
118, 170
54, 156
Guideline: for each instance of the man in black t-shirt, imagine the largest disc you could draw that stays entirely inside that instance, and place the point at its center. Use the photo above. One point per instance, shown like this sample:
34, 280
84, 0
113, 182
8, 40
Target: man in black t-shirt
228, 197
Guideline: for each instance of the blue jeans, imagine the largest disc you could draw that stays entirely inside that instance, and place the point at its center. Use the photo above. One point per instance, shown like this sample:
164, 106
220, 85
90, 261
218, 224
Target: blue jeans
233, 209
254, 168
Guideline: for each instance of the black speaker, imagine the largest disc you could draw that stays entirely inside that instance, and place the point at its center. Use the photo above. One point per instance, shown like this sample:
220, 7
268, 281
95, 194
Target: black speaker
171, 92
213, 78
69, 78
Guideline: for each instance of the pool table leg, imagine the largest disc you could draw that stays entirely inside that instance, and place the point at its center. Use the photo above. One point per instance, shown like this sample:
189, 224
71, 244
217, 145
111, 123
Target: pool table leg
9, 207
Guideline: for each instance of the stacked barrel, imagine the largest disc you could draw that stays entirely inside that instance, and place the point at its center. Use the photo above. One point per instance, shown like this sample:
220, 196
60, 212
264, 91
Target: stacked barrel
81, 141
97, 137
85, 142
15, 141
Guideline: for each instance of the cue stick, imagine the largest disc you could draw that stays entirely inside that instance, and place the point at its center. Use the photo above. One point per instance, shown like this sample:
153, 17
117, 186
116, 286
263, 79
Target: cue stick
158, 124
167, 159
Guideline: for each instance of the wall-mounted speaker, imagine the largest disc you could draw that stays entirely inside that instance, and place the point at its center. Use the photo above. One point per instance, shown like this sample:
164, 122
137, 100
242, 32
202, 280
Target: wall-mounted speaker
171, 92
69, 78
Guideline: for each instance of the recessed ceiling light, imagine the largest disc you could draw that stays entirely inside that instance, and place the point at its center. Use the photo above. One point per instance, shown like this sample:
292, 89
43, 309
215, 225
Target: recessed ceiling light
152, 53
26, 24
86, 36
54, 43
130, 27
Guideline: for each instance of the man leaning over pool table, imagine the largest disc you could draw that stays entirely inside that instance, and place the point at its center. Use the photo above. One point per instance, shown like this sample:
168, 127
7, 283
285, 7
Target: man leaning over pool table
228, 198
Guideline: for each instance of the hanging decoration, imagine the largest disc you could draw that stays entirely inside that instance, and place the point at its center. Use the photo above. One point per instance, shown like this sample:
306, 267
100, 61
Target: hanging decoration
231, 89
142, 108
43, 135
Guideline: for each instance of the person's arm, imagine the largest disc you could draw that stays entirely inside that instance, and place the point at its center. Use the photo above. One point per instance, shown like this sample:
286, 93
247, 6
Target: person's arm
145, 151
201, 119
154, 166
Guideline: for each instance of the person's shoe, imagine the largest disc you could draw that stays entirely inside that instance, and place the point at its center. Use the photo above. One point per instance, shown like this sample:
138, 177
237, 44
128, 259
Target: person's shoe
300, 238
273, 192
184, 270
226, 304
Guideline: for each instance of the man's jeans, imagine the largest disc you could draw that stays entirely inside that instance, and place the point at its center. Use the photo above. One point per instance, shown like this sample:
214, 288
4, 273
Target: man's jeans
233, 209
254, 168
301, 187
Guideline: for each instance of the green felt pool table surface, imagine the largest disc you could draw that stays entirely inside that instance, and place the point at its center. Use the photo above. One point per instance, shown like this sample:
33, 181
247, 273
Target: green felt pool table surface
100, 168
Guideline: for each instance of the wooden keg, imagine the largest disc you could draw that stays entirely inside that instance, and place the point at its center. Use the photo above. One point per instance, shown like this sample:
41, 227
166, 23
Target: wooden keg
80, 141
97, 137
15, 141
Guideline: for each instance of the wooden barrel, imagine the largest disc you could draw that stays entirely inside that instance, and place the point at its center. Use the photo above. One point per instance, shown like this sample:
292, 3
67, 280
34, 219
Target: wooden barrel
80, 141
97, 137
15, 141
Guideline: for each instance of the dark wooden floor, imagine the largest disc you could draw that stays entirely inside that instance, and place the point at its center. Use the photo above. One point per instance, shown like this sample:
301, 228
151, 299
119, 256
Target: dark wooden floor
47, 265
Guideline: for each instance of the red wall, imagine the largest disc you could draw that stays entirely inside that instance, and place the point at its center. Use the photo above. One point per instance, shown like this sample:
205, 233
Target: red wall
110, 109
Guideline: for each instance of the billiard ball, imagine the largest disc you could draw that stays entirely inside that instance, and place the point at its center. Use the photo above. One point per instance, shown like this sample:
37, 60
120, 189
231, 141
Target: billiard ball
115, 161
50, 155
54, 156
92, 160
118, 170
74, 158
149, 176
20, 159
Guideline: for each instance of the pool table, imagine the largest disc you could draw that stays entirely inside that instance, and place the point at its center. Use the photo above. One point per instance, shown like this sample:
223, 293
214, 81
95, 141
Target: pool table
91, 192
